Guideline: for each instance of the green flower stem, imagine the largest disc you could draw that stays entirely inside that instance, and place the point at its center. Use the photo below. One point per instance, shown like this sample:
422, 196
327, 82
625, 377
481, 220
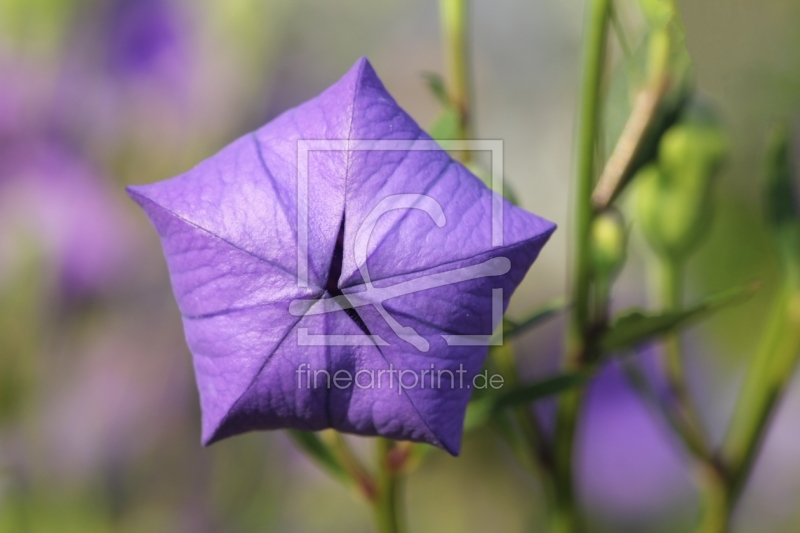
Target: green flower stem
709, 474
671, 286
358, 475
387, 504
458, 72
536, 451
715, 498
777, 356
579, 334
771, 370
677, 423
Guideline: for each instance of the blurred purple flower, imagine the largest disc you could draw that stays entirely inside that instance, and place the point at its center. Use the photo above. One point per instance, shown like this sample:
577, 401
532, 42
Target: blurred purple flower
629, 462
230, 235
70, 213
24, 95
144, 37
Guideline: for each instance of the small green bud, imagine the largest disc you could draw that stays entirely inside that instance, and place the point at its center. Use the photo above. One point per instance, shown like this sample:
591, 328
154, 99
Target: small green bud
674, 195
609, 245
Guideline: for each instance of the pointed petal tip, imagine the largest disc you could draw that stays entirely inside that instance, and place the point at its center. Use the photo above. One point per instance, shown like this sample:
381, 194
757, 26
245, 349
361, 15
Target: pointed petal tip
133, 190
212, 433
361, 64
453, 448
450, 443
138, 194
360, 70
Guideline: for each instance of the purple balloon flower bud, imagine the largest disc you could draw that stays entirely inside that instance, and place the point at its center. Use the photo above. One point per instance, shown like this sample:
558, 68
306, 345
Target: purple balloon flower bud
336, 268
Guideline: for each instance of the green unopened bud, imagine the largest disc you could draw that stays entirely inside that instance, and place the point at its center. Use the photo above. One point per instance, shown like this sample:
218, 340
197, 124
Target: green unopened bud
674, 195
609, 245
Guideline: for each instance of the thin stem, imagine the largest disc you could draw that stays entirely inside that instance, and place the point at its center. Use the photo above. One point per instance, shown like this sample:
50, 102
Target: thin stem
777, 357
539, 453
767, 379
619, 31
387, 504
594, 59
715, 504
671, 286
458, 72
710, 475
579, 333
360, 476
678, 424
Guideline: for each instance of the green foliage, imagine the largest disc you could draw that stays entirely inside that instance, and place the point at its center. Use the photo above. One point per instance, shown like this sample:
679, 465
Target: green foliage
486, 408
313, 446
781, 206
37, 26
547, 311
634, 327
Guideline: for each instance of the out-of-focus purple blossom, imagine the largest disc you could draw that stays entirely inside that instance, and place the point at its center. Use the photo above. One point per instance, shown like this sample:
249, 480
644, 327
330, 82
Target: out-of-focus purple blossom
629, 463
231, 236
24, 98
144, 38
134, 395
54, 202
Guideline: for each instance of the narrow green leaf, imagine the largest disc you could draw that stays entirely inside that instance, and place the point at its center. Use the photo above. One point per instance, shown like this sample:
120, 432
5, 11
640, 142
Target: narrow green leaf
447, 126
549, 310
478, 413
635, 326
549, 387
436, 85
482, 410
315, 448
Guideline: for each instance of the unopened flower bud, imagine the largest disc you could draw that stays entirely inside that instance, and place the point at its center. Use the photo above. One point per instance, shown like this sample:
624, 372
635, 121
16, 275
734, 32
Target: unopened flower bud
674, 195
609, 244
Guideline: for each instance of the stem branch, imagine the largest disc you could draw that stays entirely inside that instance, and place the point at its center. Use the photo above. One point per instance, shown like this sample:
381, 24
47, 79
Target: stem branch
387, 505
458, 72
579, 333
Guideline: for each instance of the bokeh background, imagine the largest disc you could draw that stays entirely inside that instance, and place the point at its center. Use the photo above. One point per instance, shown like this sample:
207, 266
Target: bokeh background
99, 423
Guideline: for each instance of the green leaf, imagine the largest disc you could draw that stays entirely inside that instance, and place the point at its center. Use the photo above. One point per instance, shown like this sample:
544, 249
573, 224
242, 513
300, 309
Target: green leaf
478, 413
549, 387
314, 447
549, 310
634, 327
483, 409
447, 126
436, 85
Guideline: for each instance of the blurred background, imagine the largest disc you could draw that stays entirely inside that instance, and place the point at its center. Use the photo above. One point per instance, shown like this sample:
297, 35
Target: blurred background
99, 420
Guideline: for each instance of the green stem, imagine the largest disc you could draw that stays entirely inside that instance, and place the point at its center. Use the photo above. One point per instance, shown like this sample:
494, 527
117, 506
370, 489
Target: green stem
458, 74
671, 286
590, 110
387, 505
357, 473
710, 476
579, 333
769, 375
537, 449
777, 356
